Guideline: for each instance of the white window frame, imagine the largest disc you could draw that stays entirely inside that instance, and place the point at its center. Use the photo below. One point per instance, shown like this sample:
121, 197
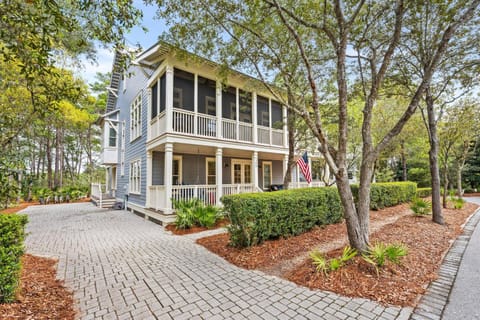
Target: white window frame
136, 118
242, 163
180, 169
264, 164
122, 151
135, 179
207, 160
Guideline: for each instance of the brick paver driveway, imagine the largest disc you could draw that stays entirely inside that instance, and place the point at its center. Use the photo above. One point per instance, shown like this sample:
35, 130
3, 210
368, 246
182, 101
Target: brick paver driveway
123, 267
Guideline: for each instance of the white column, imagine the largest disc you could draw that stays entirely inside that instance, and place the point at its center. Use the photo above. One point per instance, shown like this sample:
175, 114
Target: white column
285, 167
149, 178
195, 103
237, 111
218, 103
167, 179
149, 113
254, 117
169, 98
285, 126
255, 169
218, 174
326, 173
270, 120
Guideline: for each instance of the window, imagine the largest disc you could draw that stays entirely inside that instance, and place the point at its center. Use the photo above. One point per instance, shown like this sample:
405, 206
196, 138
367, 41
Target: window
267, 174
211, 171
263, 117
245, 106
136, 118
183, 90
122, 151
135, 172
177, 170
112, 137
154, 102
277, 117
229, 103
206, 96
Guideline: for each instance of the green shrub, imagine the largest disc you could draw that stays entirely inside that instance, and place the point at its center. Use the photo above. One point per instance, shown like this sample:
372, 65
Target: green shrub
378, 254
388, 194
12, 234
458, 203
257, 217
323, 265
420, 207
194, 212
424, 192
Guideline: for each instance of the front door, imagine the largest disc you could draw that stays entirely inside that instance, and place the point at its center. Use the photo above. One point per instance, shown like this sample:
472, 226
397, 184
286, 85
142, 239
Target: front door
242, 171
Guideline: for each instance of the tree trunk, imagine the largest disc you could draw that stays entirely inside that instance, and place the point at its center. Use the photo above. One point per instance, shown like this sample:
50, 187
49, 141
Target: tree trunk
48, 155
356, 221
445, 185
437, 215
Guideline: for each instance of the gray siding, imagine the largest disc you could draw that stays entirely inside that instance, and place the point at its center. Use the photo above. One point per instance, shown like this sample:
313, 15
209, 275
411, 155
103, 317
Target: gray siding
135, 84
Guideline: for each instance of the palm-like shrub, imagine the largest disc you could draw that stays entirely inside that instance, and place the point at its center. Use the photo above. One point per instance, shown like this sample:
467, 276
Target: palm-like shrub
194, 212
420, 207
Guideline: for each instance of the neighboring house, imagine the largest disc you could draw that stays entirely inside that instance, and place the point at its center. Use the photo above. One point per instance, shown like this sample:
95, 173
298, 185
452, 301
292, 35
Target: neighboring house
172, 129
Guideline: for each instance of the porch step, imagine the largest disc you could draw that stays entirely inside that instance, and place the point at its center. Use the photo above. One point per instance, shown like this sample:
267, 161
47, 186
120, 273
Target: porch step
106, 203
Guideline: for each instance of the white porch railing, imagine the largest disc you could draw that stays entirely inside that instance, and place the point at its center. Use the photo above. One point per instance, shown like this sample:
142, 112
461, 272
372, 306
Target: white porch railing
157, 197
157, 126
228, 189
297, 185
206, 193
96, 192
199, 124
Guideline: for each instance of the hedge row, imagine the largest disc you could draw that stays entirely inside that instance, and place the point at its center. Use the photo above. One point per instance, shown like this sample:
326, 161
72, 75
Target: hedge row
388, 194
424, 192
261, 216
12, 234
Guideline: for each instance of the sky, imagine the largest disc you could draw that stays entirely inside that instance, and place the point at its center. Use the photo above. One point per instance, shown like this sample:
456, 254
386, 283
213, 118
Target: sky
136, 36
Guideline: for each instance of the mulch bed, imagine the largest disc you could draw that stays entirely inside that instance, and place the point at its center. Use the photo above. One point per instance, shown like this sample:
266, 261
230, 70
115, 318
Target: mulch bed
23, 205
41, 295
396, 284
180, 232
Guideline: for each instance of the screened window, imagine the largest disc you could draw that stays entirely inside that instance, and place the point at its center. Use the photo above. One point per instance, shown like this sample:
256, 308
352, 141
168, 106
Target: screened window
136, 118
112, 137
211, 172
154, 100
163, 92
263, 117
277, 117
207, 96
183, 83
135, 172
245, 106
229, 103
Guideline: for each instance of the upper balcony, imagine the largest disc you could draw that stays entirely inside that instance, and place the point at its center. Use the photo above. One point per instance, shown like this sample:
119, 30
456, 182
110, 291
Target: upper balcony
189, 104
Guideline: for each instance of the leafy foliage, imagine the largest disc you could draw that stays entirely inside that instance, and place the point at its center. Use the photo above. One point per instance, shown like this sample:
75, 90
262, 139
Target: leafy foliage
257, 217
194, 212
324, 265
388, 194
421, 207
12, 234
379, 253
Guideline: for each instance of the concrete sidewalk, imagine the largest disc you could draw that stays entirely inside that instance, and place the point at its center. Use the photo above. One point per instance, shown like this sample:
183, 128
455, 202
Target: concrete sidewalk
454, 295
464, 297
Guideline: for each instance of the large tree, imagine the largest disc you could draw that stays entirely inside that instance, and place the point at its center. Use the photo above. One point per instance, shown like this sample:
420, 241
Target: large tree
454, 76
312, 45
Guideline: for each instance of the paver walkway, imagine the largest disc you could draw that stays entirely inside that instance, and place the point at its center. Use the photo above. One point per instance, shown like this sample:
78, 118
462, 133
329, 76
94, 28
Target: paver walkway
123, 267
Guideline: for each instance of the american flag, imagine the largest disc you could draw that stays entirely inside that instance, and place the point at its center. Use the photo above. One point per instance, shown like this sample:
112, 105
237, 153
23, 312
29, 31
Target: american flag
302, 162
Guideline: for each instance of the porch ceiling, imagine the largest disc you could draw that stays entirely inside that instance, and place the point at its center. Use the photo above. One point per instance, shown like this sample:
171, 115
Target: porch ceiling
211, 150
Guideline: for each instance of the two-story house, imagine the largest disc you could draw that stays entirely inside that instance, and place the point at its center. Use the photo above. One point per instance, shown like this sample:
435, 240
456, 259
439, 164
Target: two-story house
173, 129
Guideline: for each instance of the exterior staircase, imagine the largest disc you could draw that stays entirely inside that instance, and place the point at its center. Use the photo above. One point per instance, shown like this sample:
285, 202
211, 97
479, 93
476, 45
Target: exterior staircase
100, 198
